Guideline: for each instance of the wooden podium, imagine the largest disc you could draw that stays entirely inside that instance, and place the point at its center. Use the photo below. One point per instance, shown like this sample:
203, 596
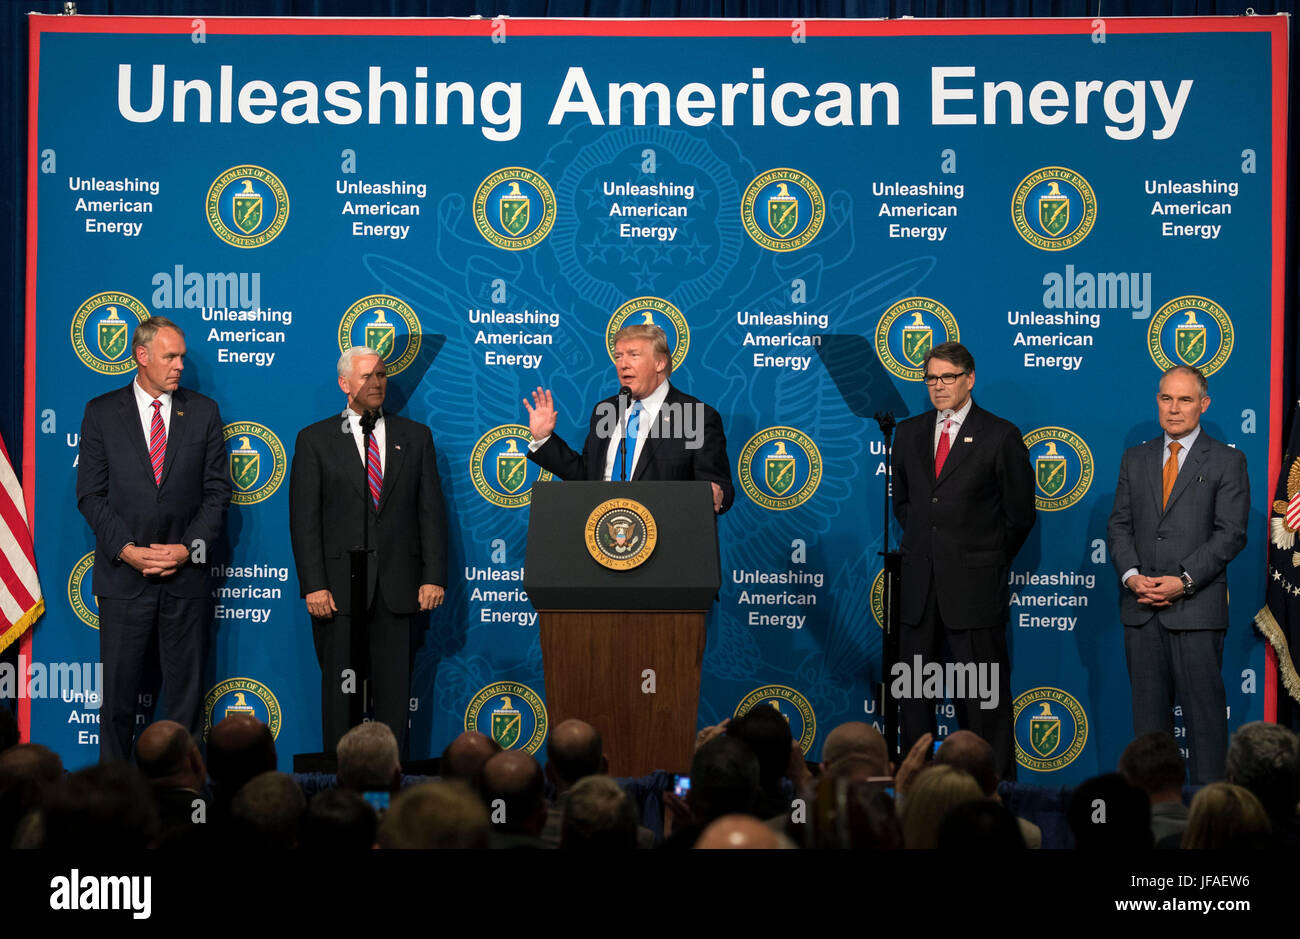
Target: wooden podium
622, 649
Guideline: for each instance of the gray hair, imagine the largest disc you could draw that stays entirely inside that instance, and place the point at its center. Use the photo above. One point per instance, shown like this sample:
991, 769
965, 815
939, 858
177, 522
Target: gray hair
1265, 758
1191, 370
368, 757
352, 352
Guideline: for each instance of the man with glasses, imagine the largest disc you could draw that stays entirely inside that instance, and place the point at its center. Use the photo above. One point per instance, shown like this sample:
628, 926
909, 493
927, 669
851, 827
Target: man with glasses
964, 494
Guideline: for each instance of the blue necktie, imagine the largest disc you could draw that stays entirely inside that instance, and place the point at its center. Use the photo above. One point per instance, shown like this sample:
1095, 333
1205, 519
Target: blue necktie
629, 439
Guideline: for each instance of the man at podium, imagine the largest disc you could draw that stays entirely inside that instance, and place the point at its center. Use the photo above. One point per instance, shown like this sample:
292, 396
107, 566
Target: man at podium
649, 431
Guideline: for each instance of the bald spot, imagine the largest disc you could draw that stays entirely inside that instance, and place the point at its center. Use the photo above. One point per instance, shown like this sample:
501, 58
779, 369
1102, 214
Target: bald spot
738, 831
154, 742
859, 739
467, 754
967, 750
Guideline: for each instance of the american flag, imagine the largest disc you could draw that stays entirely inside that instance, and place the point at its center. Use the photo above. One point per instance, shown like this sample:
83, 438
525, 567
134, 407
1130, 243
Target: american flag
21, 603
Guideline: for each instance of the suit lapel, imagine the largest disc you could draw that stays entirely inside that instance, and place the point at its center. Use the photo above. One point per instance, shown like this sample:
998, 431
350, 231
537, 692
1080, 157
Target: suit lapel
176, 433
1191, 467
1154, 469
968, 435
345, 451
394, 458
132, 429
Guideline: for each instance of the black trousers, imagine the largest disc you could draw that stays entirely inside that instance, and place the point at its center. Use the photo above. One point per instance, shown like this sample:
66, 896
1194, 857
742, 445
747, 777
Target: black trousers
1186, 665
928, 639
129, 631
384, 655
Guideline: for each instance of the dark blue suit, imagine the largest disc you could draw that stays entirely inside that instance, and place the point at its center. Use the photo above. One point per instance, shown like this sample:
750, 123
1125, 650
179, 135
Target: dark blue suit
117, 494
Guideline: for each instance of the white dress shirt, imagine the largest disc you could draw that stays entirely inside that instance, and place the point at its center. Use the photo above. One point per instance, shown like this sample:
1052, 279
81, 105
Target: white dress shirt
379, 433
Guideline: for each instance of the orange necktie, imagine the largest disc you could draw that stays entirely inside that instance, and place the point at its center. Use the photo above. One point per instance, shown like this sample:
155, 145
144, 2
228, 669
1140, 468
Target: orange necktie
1171, 470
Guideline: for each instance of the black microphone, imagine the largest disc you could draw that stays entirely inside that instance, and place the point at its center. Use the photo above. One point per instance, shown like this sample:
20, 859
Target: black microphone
368, 421
624, 399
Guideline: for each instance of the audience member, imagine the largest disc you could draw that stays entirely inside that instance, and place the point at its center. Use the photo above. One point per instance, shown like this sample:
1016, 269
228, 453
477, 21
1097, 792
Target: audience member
338, 819
1265, 758
239, 748
967, 750
740, 832
464, 758
598, 815
933, 792
267, 812
443, 814
767, 733
105, 808
369, 760
987, 825
1154, 764
513, 790
26, 770
1109, 814
724, 780
1224, 815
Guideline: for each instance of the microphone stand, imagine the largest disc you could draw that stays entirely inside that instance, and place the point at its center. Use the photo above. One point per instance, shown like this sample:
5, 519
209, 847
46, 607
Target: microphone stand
360, 579
624, 395
893, 570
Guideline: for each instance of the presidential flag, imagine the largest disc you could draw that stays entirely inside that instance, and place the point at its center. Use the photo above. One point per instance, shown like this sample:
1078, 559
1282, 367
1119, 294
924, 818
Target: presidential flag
1279, 621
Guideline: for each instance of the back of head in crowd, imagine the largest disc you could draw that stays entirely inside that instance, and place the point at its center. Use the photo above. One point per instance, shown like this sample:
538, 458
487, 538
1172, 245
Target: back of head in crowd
724, 779
338, 819
1109, 814
741, 832
598, 815
26, 771
970, 752
1265, 758
768, 734
168, 756
574, 750
515, 779
980, 826
860, 742
849, 813
267, 812
1153, 763
1226, 816
464, 757
108, 807
369, 760
443, 814
239, 748
935, 791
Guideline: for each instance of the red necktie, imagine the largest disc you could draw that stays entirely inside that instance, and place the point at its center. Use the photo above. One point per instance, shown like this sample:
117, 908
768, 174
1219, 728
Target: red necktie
373, 471
941, 454
157, 442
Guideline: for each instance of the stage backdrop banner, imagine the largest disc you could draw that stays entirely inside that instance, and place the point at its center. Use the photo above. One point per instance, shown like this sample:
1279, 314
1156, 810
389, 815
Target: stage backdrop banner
806, 207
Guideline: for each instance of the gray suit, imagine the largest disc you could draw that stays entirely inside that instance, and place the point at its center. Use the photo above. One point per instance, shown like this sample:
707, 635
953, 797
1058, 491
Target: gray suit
1177, 651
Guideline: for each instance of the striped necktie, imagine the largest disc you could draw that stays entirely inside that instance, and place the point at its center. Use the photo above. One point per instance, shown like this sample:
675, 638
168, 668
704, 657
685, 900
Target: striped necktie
157, 442
373, 471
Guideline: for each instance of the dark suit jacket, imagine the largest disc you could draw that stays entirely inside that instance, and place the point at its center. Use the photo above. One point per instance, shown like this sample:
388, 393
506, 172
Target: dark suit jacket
117, 494
963, 529
1200, 531
408, 533
664, 456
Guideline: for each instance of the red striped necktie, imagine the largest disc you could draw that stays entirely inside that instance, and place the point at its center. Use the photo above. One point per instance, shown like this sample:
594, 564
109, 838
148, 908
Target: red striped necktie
373, 471
157, 442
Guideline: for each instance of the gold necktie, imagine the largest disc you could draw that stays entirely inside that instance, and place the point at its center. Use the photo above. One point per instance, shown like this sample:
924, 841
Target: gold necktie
1171, 470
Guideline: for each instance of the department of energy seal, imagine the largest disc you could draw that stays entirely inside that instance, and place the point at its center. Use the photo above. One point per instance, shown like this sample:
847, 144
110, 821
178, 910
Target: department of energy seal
241, 696
782, 209
257, 462
1053, 208
84, 603
510, 713
791, 705
1063, 467
102, 329
620, 534
1051, 729
877, 598
1192, 331
652, 311
500, 469
247, 206
907, 332
514, 208
387, 325
780, 468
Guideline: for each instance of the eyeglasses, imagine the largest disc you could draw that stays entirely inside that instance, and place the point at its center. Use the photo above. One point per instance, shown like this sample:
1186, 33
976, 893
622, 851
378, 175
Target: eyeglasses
932, 380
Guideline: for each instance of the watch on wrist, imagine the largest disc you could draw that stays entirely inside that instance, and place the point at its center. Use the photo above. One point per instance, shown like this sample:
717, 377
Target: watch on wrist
1189, 585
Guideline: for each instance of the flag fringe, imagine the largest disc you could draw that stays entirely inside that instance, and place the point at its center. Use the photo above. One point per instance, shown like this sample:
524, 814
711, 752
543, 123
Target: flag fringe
1267, 624
15, 632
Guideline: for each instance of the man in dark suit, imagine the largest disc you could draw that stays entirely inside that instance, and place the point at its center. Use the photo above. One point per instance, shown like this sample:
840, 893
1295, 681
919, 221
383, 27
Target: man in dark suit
153, 484
964, 494
1181, 508
334, 479
673, 435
